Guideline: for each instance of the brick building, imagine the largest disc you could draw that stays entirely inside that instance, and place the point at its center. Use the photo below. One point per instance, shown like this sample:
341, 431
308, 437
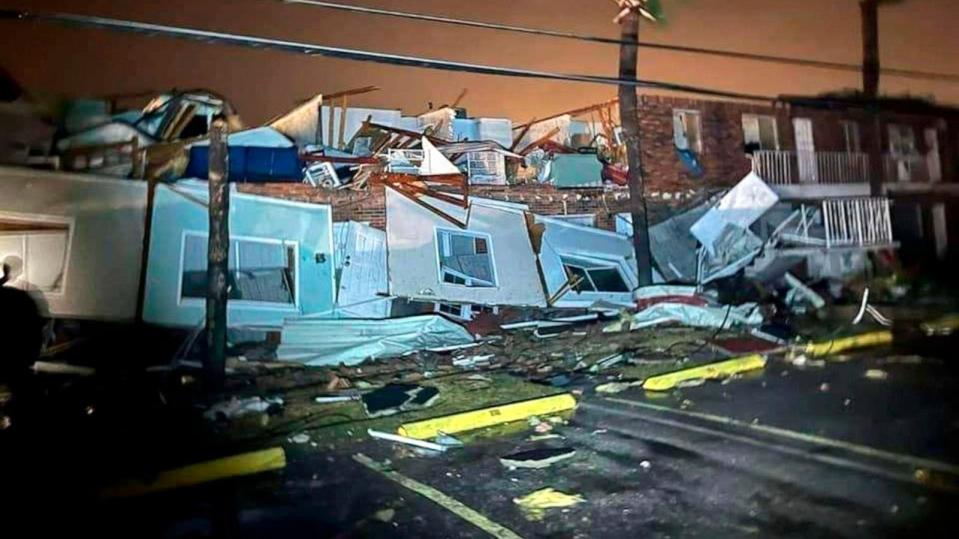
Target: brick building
806, 148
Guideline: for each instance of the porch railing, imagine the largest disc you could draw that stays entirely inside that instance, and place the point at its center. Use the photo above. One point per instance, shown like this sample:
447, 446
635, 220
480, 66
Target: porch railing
788, 167
857, 222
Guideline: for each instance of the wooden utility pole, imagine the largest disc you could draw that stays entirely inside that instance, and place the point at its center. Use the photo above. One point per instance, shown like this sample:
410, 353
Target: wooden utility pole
870, 47
629, 119
869, 11
218, 254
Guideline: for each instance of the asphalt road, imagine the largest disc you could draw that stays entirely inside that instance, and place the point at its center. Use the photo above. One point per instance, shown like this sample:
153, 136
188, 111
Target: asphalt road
643, 471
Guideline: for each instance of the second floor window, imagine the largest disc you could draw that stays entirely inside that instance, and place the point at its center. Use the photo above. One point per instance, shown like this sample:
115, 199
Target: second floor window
687, 130
850, 133
760, 132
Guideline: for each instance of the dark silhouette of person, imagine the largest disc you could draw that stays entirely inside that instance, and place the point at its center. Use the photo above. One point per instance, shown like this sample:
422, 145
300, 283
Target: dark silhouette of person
21, 327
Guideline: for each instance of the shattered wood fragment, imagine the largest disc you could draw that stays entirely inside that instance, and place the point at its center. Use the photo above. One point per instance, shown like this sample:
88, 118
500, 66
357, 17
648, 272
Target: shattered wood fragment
537, 458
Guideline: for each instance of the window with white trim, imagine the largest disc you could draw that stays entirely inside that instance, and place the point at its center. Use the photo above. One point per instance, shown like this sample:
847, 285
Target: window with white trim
33, 253
687, 130
760, 132
850, 134
589, 275
259, 270
465, 258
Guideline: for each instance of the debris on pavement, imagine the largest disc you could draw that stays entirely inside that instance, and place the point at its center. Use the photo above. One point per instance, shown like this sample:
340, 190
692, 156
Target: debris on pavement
395, 398
535, 504
439, 448
876, 374
236, 408
300, 438
537, 458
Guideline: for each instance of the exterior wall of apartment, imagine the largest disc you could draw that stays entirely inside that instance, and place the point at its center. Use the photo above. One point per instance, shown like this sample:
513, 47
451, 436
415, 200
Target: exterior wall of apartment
669, 182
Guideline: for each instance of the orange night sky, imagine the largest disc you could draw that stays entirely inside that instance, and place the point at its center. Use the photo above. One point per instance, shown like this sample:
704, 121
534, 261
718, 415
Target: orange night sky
916, 34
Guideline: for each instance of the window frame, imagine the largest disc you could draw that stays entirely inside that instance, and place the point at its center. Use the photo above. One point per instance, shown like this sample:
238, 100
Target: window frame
440, 244
246, 303
851, 127
59, 220
681, 114
759, 130
573, 219
577, 261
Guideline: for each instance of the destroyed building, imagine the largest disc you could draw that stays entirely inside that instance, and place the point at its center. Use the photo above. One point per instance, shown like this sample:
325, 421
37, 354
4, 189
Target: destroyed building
457, 214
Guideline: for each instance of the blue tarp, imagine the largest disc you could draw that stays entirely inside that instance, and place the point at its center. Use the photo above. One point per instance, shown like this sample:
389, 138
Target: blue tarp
250, 164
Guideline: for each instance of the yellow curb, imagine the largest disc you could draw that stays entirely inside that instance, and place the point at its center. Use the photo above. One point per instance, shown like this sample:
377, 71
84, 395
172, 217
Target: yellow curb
722, 369
487, 417
203, 472
836, 346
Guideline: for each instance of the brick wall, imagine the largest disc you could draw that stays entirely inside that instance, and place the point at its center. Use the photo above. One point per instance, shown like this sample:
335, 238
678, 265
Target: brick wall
370, 206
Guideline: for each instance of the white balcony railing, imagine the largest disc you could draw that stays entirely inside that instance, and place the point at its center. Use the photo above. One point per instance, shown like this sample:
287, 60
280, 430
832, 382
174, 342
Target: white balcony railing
785, 168
857, 222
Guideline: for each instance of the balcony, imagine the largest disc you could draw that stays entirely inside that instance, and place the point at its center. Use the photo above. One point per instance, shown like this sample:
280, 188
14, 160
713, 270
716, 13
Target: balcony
792, 168
785, 168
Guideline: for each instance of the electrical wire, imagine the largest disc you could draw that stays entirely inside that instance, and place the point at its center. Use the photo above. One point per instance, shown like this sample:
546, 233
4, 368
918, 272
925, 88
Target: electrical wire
310, 49
821, 64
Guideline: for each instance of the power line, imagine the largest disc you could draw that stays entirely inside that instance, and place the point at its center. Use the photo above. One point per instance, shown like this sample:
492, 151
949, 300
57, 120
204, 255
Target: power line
821, 64
310, 49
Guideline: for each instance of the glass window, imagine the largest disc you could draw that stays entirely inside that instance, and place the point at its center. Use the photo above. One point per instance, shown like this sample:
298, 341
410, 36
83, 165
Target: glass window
594, 276
760, 132
33, 254
687, 130
259, 270
850, 133
465, 259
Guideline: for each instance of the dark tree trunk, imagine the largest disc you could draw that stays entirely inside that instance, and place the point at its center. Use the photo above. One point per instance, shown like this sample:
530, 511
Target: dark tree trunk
629, 119
218, 252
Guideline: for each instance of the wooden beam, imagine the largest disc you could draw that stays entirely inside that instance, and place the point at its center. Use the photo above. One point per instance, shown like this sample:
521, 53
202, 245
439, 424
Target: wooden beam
342, 131
522, 134
552, 133
218, 253
574, 112
354, 91
459, 98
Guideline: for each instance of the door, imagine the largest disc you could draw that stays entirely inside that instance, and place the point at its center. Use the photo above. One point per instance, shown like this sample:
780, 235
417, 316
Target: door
932, 155
805, 151
363, 280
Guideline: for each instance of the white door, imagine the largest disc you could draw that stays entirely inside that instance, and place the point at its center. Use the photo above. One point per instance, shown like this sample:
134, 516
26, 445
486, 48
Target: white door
805, 150
363, 280
932, 155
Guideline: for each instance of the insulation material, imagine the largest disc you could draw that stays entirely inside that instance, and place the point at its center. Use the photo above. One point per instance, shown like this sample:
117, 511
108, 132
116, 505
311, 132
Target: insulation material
605, 260
741, 207
703, 316
280, 260
315, 342
541, 129
440, 121
75, 241
495, 237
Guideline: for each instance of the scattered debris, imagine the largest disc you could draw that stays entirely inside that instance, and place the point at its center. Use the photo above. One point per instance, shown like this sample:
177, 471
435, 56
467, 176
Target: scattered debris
395, 398
646, 465
537, 458
439, 448
876, 374
236, 408
610, 388
300, 438
802, 361
535, 504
